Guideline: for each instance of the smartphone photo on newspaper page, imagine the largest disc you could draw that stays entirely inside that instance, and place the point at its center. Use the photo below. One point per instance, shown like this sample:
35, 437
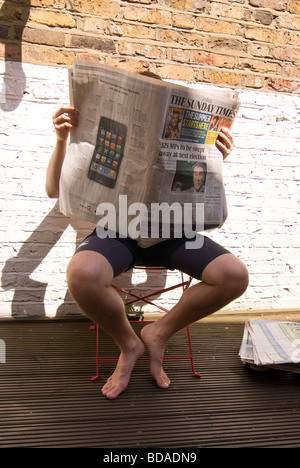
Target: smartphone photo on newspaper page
108, 153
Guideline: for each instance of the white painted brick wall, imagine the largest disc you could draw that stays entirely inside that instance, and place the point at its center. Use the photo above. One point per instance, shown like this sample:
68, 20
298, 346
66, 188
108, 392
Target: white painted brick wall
262, 180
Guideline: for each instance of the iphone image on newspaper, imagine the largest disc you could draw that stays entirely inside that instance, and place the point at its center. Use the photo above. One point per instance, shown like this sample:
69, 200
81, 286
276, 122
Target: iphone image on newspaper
108, 153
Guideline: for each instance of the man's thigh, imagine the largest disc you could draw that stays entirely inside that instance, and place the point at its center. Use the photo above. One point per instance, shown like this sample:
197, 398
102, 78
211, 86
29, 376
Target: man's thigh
114, 250
193, 261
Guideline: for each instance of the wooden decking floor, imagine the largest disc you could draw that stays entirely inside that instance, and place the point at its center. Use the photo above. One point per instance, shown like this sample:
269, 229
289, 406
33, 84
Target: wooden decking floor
48, 398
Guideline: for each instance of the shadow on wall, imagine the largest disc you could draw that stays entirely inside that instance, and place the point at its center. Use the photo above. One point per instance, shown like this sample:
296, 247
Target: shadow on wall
29, 294
13, 19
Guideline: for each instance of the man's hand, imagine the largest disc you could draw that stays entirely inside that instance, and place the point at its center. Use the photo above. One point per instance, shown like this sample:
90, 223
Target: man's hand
225, 142
64, 119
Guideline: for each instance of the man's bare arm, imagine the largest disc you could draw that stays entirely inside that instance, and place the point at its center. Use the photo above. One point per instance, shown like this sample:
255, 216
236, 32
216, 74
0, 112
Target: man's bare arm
64, 119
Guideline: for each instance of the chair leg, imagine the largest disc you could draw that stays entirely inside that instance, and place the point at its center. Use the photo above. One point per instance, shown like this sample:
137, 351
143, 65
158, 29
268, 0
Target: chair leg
197, 374
97, 355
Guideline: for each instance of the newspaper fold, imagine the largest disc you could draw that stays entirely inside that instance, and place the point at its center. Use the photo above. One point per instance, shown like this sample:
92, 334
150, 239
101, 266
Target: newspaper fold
271, 343
145, 146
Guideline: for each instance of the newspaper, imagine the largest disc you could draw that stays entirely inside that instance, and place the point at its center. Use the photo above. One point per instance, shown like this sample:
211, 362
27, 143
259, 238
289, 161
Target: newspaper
271, 343
139, 142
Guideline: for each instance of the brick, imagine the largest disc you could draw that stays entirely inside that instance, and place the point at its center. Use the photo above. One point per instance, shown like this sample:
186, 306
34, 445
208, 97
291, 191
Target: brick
260, 66
230, 11
102, 8
51, 18
225, 45
181, 55
279, 5
289, 22
94, 25
290, 70
48, 3
91, 42
193, 38
260, 50
217, 60
217, 26
11, 51
196, 6
264, 17
183, 21
281, 85
47, 55
4, 32
138, 31
43, 36
294, 7
115, 29
130, 64
264, 35
176, 72
169, 35
188, 38
231, 79
287, 54
254, 81
147, 15
90, 57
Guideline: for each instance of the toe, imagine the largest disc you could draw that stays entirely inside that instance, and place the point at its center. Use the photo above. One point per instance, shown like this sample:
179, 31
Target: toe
162, 380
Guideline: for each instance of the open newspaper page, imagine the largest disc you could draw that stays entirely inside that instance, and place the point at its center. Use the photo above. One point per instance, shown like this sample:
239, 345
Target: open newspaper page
271, 343
189, 168
112, 149
143, 144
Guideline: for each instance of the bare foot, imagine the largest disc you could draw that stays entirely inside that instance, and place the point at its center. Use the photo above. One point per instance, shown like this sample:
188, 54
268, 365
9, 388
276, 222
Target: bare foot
119, 380
156, 348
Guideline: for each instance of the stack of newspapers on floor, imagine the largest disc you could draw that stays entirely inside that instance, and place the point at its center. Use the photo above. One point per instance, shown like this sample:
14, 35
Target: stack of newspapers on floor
271, 344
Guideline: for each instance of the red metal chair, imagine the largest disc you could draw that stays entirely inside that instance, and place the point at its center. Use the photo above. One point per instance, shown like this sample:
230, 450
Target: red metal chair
184, 284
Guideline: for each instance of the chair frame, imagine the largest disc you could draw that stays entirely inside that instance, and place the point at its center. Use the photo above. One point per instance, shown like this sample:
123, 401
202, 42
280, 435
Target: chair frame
184, 283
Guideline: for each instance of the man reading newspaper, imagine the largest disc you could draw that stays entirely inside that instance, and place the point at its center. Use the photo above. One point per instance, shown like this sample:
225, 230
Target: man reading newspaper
222, 276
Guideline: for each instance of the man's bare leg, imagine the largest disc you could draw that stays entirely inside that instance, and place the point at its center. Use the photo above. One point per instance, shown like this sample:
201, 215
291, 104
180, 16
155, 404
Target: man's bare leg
223, 280
89, 278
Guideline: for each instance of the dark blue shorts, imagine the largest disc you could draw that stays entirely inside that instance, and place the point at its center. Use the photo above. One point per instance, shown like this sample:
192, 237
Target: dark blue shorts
173, 254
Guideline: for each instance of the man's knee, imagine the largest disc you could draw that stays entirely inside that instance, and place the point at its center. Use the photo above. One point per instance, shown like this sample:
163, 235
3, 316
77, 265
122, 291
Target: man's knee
229, 274
238, 278
87, 273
